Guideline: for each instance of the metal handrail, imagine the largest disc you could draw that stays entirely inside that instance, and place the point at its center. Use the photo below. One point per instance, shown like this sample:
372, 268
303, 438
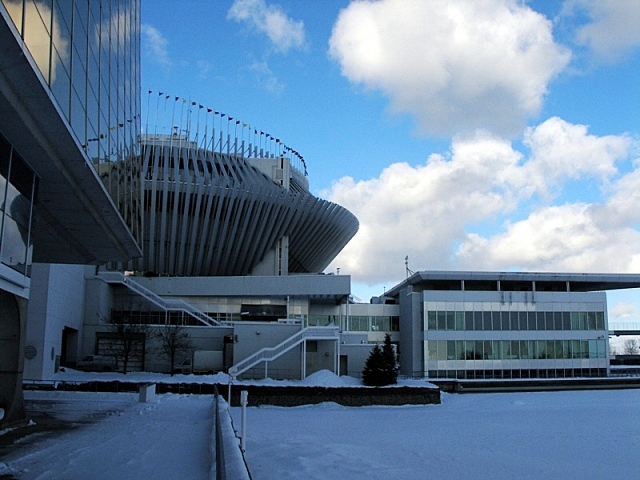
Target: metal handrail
632, 326
166, 304
268, 354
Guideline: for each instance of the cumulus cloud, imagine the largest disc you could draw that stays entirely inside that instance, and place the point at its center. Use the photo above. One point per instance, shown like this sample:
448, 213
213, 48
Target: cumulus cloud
562, 151
624, 311
612, 30
155, 44
283, 32
555, 238
454, 66
436, 213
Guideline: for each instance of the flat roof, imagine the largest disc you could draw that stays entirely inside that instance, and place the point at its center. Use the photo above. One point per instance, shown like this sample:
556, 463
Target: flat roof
495, 281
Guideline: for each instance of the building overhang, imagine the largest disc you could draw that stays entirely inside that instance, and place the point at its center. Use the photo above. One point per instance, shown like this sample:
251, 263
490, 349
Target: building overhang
516, 281
76, 221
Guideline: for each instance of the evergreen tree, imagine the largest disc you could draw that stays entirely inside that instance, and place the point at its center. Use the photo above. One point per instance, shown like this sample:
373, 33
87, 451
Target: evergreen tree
390, 361
373, 373
381, 368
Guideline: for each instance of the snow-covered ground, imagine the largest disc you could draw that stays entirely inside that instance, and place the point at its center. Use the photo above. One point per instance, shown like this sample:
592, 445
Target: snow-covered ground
125, 439
580, 434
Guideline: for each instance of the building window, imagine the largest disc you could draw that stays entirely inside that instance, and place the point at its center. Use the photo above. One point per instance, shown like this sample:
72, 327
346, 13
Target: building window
18, 189
509, 321
515, 349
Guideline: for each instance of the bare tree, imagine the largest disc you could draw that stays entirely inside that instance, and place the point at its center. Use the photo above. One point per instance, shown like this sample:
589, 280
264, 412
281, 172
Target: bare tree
174, 341
631, 347
130, 338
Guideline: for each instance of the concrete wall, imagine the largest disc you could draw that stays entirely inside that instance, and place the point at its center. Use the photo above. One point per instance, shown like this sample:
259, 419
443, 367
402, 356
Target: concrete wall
202, 338
338, 285
57, 301
97, 312
356, 355
411, 333
252, 336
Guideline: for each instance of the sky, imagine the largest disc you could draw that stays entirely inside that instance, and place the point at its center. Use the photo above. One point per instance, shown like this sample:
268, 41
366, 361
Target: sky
495, 135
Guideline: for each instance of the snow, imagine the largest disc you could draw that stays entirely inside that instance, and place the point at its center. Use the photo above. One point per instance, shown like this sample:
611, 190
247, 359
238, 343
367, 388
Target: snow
322, 378
589, 434
124, 439
580, 434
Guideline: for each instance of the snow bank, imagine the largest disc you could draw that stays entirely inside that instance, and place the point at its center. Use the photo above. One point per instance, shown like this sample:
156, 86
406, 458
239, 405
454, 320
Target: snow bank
322, 378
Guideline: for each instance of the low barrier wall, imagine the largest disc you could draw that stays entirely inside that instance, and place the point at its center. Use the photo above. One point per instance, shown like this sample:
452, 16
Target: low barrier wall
291, 396
286, 396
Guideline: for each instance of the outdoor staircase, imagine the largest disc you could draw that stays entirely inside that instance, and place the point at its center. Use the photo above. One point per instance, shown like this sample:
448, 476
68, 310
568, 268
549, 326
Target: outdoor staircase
269, 354
166, 304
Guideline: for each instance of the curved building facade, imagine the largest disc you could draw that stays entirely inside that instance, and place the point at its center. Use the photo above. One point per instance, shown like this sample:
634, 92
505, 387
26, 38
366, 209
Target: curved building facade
219, 214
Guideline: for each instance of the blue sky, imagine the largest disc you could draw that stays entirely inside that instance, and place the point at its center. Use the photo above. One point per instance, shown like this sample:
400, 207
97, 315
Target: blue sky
493, 135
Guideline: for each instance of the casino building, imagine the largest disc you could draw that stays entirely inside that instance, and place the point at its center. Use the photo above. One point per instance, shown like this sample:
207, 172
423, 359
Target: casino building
207, 223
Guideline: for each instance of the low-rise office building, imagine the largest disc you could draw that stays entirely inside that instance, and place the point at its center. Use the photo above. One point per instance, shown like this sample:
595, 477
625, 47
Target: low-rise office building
504, 324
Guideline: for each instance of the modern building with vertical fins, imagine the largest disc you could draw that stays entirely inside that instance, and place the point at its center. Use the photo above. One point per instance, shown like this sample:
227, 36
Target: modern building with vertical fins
210, 213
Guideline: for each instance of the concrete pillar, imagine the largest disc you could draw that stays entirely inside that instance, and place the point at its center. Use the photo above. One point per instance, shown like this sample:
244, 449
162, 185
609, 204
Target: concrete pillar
13, 314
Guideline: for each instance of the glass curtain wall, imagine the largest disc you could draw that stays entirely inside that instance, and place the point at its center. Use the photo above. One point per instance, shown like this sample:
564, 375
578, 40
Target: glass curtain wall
88, 53
18, 189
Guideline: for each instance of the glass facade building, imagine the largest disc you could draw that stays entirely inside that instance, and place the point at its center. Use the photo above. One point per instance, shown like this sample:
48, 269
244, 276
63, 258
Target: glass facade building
549, 334
87, 53
504, 325
69, 112
18, 190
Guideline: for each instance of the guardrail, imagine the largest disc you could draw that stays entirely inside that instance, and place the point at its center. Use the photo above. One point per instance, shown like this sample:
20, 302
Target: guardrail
626, 327
170, 304
269, 354
227, 460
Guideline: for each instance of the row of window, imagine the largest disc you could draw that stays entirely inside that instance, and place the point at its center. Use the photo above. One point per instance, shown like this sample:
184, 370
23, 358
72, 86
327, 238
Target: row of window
370, 323
515, 349
170, 317
517, 373
486, 321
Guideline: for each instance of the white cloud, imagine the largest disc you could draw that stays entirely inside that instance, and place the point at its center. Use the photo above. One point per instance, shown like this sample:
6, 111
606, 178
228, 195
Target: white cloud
613, 28
555, 238
455, 66
622, 311
154, 43
266, 77
437, 212
283, 32
422, 211
562, 151
204, 68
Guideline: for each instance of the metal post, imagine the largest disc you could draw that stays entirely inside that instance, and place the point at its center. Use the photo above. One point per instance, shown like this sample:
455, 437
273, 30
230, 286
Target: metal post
243, 401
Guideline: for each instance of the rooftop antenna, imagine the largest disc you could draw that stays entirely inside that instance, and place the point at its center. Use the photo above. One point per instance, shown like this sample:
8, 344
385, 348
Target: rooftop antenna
408, 271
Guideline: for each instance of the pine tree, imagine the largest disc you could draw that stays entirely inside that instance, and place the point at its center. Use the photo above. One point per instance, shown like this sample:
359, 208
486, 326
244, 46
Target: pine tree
373, 374
381, 368
390, 361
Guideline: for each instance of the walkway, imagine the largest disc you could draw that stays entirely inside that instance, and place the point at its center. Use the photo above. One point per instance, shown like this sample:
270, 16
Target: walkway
111, 436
